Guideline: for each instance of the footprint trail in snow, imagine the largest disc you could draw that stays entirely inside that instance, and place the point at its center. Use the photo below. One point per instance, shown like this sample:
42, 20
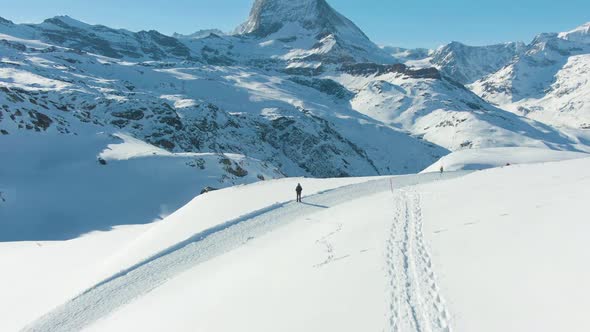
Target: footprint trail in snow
415, 301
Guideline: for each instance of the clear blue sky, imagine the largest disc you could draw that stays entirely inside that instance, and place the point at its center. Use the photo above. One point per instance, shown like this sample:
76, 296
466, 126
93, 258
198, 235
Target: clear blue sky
409, 23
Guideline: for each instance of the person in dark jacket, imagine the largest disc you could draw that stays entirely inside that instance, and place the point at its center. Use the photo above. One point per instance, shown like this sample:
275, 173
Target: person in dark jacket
299, 189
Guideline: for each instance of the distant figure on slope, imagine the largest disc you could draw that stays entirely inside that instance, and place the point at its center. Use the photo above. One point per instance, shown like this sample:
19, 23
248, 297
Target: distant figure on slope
299, 189
442, 169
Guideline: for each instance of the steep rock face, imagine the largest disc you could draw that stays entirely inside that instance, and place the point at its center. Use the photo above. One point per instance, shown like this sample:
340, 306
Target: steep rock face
330, 36
270, 16
467, 64
547, 82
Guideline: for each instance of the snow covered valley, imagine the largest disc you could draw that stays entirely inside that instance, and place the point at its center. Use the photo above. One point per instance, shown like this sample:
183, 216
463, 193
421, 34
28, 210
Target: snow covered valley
492, 250
147, 182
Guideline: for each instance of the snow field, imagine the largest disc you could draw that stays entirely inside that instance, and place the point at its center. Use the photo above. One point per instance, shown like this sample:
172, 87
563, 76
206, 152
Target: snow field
140, 279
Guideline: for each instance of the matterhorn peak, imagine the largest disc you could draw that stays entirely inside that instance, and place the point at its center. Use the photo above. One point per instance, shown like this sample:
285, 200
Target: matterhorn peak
270, 16
328, 33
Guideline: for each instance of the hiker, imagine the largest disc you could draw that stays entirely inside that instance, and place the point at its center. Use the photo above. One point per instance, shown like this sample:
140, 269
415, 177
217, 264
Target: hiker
299, 189
442, 169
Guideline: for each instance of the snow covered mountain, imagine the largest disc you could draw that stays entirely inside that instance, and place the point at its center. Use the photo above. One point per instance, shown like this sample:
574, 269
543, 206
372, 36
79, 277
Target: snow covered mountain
98, 39
440, 110
548, 82
198, 95
467, 64
298, 91
315, 30
200, 34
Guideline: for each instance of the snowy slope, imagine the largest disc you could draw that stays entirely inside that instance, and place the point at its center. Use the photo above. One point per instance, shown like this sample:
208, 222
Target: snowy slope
549, 82
202, 246
478, 159
512, 257
69, 267
441, 111
73, 193
412, 264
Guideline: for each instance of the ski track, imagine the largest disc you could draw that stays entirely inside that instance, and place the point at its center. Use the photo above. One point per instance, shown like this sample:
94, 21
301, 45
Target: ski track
415, 301
122, 288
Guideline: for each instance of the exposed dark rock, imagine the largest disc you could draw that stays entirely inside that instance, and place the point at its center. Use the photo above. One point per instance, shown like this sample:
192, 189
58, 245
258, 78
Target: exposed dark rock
40, 120
326, 86
208, 190
13, 45
172, 121
166, 144
368, 69
304, 71
5, 21
225, 161
467, 144
237, 170
288, 39
120, 123
171, 45
13, 94
130, 115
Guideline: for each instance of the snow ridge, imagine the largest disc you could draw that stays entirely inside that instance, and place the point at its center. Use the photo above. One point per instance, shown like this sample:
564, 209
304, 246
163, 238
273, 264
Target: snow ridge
122, 288
107, 296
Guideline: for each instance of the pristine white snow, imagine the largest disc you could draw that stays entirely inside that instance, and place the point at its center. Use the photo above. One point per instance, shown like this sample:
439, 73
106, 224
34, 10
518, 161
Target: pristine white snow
360, 253
478, 159
510, 247
69, 267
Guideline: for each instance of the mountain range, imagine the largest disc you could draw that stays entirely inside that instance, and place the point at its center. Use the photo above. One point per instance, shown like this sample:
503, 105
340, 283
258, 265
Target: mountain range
297, 86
